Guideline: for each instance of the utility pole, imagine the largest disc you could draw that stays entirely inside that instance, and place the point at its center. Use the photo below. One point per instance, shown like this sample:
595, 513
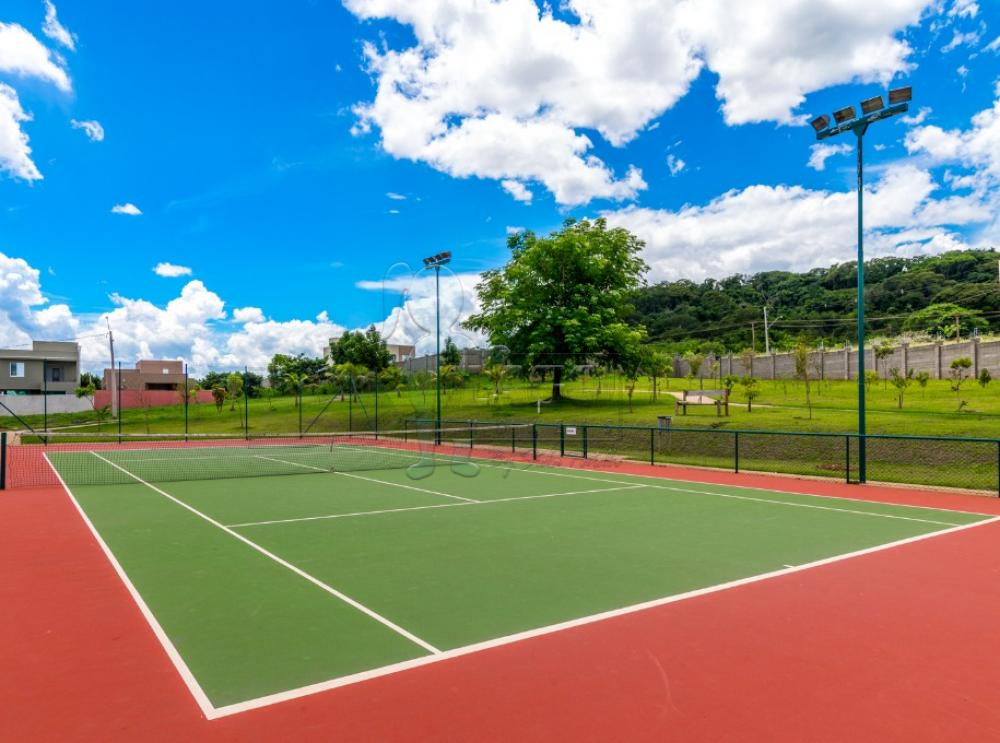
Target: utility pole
958, 327
767, 337
753, 337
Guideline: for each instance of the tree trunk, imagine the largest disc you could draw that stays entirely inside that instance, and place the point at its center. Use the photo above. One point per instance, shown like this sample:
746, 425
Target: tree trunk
557, 384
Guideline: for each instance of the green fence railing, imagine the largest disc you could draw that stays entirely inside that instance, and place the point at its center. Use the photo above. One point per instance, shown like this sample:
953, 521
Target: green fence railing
935, 461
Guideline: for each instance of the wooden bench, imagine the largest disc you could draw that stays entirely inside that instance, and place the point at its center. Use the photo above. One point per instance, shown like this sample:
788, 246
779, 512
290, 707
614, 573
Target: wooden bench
720, 400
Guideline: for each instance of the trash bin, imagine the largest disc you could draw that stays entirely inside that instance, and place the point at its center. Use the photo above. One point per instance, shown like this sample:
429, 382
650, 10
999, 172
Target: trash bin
663, 421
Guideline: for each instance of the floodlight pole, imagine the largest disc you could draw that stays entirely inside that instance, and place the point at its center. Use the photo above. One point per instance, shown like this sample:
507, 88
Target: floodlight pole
437, 350
862, 428
846, 120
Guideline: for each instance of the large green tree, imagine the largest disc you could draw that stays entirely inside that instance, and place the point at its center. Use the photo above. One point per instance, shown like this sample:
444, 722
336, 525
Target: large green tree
366, 349
563, 299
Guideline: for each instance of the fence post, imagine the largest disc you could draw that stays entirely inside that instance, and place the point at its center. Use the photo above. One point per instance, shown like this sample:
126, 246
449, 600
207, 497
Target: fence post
736, 451
45, 399
406, 429
513, 440
472, 434
847, 458
118, 394
534, 441
376, 404
562, 439
186, 394
246, 404
3, 460
652, 446
585, 441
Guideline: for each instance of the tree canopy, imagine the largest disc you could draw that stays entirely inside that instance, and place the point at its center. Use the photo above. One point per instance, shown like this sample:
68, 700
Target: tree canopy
564, 299
366, 349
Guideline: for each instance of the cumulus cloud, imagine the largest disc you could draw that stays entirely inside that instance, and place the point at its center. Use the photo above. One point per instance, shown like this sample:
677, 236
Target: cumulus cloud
518, 190
93, 129
977, 147
192, 326
675, 165
794, 228
248, 314
505, 90
55, 30
410, 309
15, 154
171, 270
24, 55
918, 118
127, 208
820, 153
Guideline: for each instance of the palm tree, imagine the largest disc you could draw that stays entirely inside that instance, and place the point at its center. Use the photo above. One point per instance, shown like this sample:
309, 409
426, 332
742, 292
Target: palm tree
496, 373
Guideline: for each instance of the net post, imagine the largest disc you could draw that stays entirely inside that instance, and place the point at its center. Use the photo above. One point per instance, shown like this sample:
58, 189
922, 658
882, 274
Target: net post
736, 452
186, 395
534, 441
118, 393
652, 445
3, 460
246, 403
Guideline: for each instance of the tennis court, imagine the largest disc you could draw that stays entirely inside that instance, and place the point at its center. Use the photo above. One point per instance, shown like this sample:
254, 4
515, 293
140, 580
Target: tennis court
272, 570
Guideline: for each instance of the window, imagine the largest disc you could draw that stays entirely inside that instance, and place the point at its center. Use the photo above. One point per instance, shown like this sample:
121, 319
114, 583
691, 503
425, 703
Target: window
17, 369
166, 371
57, 374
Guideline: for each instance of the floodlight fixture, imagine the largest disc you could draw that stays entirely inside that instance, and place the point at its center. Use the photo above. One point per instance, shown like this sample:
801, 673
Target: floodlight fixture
845, 114
901, 95
436, 261
440, 259
820, 123
871, 105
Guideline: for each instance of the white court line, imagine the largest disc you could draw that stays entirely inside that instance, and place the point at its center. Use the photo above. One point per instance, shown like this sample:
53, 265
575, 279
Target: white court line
175, 657
303, 691
424, 508
284, 563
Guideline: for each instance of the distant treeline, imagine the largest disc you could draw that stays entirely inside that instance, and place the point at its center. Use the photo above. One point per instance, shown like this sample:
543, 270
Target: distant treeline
915, 295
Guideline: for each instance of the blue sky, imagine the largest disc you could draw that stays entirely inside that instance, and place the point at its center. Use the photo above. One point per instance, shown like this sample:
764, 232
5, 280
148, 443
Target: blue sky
288, 154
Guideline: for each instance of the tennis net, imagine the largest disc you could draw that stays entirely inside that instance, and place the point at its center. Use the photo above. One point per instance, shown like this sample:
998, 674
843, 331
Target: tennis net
111, 459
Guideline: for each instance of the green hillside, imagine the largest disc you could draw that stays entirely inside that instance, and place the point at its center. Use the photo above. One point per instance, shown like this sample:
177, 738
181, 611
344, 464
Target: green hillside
921, 296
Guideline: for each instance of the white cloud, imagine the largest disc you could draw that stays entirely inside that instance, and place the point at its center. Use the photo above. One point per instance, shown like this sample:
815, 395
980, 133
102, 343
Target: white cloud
55, 30
977, 147
993, 46
410, 303
393, 211
518, 190
964, 9
794, 228
93, 129
504, 90
395, 196
171, 270
193, 326
918, 118
958, 39
15, 154
514, 229
674, 164
24, 55
127, 208
248, 314
820, 153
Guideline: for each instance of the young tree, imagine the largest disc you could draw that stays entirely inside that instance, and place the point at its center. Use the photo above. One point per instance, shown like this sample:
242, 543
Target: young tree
234, 388
882, 352
984, 378
900, 382
597, 372
391, 379
90, 380
802, 371
751, 388
922, 379
294, 382
450, 354
219, 396
747, 356
496, 373
871, 377
959, 372
694, 361
564, 298
451, 376
631, 367
656, 364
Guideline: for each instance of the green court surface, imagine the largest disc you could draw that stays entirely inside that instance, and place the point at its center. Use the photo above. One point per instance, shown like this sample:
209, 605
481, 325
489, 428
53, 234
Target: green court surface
268, 584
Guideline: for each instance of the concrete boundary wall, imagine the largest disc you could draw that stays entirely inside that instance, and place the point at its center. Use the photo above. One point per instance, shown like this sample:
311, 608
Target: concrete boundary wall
842, 363
35, 404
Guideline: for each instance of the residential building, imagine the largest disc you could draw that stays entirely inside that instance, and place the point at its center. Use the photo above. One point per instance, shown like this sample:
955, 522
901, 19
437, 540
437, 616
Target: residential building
48, 367
148, 375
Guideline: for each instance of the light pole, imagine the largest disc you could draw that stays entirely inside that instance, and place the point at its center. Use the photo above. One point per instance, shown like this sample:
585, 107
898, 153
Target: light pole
846, 120
435, 262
